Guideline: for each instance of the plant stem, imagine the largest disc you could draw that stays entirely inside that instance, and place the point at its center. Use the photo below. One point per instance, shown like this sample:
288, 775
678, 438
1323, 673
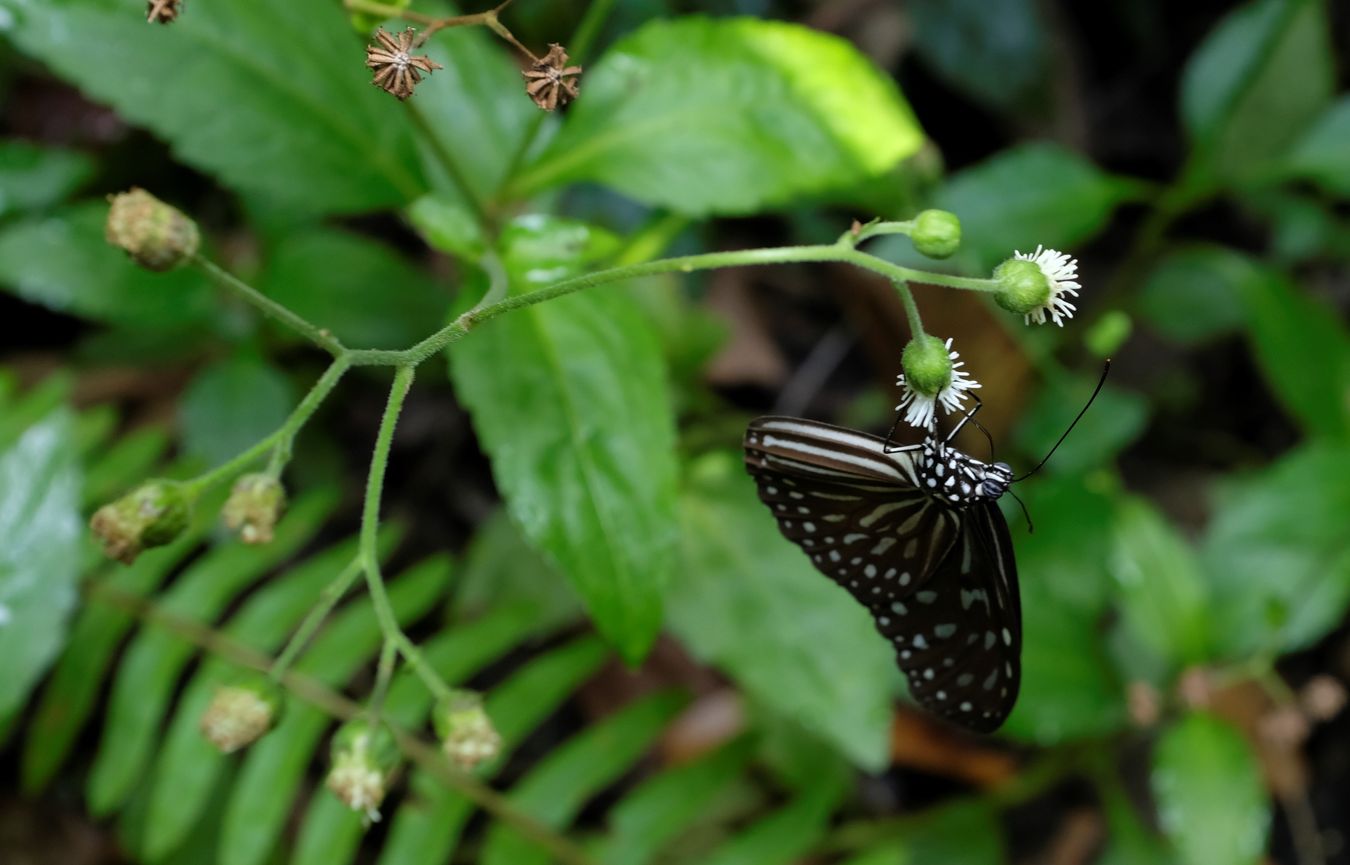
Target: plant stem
284, 434
328, 598
370, 524
911, 309
384, 672
314, 692
317, 335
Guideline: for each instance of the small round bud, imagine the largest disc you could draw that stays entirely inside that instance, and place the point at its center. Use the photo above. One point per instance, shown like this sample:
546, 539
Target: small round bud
364, 757
242, 710
927, 365
466, 732
936, 233
1022, 286
155, 235
152, 515
255, 504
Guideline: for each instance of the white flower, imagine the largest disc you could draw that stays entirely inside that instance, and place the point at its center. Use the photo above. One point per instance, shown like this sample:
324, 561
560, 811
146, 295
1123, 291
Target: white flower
1061, 271
921, 409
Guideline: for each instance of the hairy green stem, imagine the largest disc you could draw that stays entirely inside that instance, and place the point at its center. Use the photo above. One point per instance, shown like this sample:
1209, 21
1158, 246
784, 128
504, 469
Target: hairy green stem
281, 438
317, 335
328, 598
370, 525
384, 673
911, 309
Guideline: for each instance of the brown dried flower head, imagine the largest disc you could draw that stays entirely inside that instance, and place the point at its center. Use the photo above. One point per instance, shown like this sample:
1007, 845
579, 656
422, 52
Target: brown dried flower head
163, 11
397, 71
551, 83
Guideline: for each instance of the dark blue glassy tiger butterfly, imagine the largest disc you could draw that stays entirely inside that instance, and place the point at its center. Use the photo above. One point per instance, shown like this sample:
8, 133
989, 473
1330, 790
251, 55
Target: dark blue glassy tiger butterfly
916, 535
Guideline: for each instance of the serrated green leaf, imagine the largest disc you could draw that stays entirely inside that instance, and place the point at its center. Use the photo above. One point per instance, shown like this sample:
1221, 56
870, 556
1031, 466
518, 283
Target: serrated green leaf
1164, 600
304, 126
1320, 153
569, 399
40, 528
1211, 801
1275, 554
752, 114
232, 404
147, 676
559, 785
1196, 293
1025, 196
359, 289
63, 262
752, 603
32, 177
1256, 83
656, 812
1303, 349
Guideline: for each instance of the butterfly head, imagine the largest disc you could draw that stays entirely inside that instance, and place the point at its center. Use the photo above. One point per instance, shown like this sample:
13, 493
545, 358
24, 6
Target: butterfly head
997, 477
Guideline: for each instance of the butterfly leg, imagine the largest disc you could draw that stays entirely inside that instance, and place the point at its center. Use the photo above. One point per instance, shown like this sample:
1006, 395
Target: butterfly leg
896, 449
970, 417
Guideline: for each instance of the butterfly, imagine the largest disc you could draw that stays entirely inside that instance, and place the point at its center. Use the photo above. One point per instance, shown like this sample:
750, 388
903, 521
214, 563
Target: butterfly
915, 534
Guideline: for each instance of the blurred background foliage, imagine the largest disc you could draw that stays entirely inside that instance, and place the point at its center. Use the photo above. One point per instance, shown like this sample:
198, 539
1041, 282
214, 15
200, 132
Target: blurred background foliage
1184, 591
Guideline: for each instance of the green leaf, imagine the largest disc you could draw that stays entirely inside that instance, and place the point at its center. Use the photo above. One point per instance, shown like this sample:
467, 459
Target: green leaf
751, 603
357, 288
1321, 154
729, 116
40, 549
655, 813
1211, 801
129, 458
149, 671
1033, 194
271, 97
1256, 83
1116, 419
996, 52
1275, 554
788, 834
964, 832
1129, 841
502, 569
1303, 349
448, 226
1069, 688
231, 405
33, 177
1164, 599
63, 262
1195, 294
569, 399
558, 786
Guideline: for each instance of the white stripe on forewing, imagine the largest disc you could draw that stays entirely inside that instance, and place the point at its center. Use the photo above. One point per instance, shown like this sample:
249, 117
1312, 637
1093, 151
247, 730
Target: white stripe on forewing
875, 462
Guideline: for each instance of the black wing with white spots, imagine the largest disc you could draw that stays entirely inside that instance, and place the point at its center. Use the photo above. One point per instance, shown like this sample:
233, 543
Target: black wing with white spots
939, 580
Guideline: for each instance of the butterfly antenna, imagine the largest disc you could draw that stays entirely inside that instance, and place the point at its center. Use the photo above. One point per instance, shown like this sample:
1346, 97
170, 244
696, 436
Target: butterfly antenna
1098, 389
1026, 513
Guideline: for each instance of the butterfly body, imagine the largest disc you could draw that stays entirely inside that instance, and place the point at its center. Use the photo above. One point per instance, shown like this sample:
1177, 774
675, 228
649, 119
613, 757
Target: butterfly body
916, 536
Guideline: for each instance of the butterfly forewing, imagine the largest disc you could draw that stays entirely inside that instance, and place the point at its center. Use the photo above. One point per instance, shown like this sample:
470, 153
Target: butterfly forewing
940, 581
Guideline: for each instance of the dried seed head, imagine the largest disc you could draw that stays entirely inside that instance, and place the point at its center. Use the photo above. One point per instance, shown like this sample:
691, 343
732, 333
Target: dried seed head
155, 235
241, 711
551, 83
467, 735
152, 515
254, 506
163, 11
397, 71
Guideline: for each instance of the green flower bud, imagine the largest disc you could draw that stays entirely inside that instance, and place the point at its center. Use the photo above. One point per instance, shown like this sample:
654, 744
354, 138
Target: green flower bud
152, 515
242, 710
927, 365
466, 732
364, 758
155, 235
936, 233
255, 504
1022, 286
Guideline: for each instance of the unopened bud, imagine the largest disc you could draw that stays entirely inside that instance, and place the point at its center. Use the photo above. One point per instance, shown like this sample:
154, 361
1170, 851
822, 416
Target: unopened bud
255, 504
364, 758
927, 364
155, 235
466, 732
242, 710
1022, 286
936, 233
152, 515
